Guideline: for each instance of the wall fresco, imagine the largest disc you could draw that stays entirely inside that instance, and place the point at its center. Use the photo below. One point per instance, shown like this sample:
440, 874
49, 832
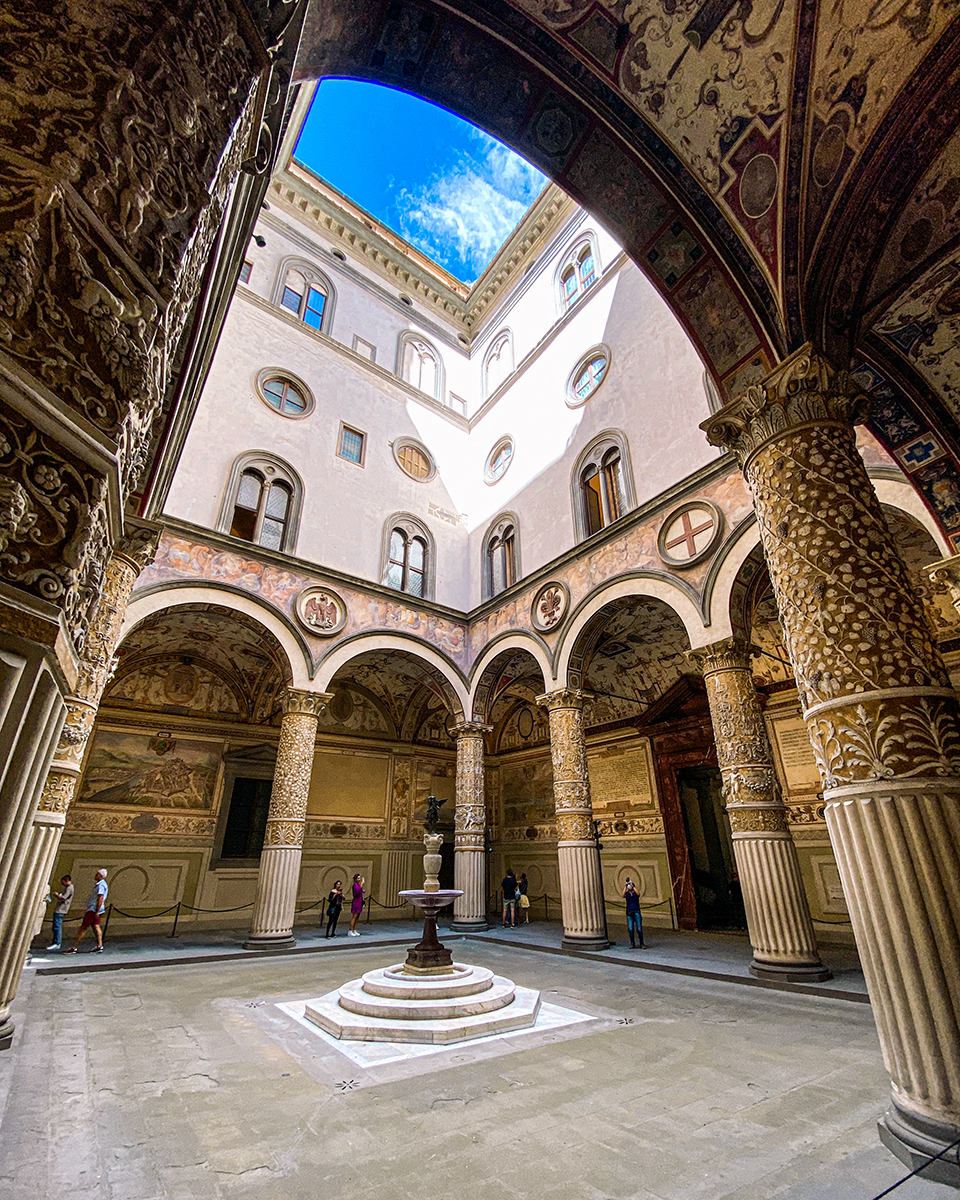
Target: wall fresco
125, 767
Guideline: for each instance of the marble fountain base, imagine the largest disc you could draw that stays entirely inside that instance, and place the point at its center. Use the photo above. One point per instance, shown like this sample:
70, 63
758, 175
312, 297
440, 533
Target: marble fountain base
388, 1005
427, 999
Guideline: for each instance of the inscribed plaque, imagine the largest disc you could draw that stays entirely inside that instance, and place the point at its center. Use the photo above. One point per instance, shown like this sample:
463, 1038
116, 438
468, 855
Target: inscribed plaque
620, 780
796, 755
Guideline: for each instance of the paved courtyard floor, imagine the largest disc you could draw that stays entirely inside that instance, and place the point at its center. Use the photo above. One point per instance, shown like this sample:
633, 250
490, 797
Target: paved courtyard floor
183, 1080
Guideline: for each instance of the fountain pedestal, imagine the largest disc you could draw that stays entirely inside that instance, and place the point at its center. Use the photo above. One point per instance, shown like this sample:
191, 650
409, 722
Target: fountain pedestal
429, 956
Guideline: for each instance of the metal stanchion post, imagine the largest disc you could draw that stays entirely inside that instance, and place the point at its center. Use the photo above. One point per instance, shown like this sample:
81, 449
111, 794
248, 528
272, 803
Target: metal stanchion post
176, 918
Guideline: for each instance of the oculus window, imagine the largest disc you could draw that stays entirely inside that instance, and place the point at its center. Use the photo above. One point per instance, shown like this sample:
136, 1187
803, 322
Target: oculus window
285, 395
498, 460
587, 376
414, 460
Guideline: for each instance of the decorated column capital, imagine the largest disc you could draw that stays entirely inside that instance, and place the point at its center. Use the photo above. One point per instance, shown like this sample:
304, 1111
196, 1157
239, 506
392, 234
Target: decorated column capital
138, 545
470, 729
730, 654
947, 573
564, 697
806, 389
308, 704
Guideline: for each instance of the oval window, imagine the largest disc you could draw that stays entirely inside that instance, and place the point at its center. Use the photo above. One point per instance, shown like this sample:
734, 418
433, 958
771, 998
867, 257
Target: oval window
499, 460
414, 460
587, 376
286, 396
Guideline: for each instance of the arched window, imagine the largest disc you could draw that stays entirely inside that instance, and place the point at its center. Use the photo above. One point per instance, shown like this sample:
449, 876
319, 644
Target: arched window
408, 556
262, 502
498, 362
306, 292
420, 365
578, 271
500, 556
603, 486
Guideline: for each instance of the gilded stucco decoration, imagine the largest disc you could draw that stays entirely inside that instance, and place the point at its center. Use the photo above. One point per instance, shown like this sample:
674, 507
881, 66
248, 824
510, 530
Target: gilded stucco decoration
471, 810
321, 611
571, 779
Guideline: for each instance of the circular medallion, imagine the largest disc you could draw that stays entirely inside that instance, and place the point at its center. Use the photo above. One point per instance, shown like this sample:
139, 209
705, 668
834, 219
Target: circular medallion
525, 722
690, 533
321, 611
550, 606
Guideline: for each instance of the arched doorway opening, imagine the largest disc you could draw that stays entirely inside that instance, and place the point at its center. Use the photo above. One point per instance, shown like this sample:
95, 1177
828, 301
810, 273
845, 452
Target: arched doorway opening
519, 782
647, 723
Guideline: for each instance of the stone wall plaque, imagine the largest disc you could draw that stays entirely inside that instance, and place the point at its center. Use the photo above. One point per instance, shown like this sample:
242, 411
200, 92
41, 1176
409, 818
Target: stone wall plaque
321, 611
621, 780
796, 755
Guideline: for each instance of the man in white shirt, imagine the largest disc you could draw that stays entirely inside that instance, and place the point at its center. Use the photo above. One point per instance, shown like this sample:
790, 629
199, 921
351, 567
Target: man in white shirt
91, 918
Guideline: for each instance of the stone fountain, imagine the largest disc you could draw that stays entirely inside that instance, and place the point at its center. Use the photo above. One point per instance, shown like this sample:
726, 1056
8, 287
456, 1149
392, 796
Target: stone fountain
429, 997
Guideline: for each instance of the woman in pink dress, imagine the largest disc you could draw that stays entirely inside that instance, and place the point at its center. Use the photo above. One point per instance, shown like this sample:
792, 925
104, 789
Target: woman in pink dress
356, 905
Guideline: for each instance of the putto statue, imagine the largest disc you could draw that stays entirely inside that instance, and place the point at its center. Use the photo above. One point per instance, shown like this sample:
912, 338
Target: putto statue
433, 813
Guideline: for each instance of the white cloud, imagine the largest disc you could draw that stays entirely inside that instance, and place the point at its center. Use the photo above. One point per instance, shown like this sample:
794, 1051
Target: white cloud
463, 216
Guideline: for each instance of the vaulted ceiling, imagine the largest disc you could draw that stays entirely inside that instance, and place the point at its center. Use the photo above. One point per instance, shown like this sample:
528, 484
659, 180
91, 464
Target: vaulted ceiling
782, 172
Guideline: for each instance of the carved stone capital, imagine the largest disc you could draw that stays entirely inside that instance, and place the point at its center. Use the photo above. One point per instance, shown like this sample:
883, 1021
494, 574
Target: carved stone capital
563, 698
730, 654
139, 543
470, 729
309, 704
947, 573
805, 389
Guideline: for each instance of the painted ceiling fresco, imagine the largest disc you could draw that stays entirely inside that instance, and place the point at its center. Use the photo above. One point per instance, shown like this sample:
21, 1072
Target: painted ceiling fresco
413, 701
212, 663
781, 172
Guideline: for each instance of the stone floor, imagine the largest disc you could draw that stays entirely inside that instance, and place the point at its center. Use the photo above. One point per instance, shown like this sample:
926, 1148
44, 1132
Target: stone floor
187, 1080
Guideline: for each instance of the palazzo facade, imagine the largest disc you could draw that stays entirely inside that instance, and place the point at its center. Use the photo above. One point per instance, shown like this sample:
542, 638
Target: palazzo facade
649, 534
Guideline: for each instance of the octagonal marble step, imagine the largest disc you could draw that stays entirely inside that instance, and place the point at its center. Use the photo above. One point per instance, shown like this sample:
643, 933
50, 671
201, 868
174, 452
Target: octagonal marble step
425, 1011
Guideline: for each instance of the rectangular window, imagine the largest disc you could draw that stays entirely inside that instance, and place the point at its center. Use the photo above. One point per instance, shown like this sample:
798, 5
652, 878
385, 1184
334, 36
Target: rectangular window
351, 445
291, 300
247, 818
365, 349
245, 271
313, 313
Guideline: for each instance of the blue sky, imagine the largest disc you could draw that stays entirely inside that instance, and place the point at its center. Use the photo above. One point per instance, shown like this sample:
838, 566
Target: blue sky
450, 189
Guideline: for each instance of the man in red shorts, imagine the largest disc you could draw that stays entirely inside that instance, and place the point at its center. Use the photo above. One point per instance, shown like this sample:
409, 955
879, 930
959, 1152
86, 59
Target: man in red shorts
91, 918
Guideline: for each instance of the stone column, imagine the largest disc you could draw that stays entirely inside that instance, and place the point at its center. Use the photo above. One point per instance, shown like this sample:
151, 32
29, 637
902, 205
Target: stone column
883, 723
23, 899
470, 909
778, 917
581, 886
947, 572
279, 878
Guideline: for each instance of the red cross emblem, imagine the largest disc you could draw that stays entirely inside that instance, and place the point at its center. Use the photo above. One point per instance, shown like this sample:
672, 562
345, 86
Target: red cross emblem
689, 534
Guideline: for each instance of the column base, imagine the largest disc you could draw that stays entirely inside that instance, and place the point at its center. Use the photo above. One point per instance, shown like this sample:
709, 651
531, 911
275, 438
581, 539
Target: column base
791, 972
572, 942
283, 942
915, 1140
6, 1034
469, 926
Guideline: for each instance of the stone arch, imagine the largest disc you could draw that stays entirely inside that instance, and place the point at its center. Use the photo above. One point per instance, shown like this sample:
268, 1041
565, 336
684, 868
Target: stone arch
483, 676
296, 658
505, 694
660, 587
437, 672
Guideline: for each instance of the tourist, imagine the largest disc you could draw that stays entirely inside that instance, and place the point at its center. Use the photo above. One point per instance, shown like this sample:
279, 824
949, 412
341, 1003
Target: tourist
509, 889
91, 918
334, 906
356, 905
523, 901
634, 920
64, 900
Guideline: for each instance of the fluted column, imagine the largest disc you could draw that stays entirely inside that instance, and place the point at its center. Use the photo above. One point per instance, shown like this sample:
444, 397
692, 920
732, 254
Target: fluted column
882, 720
22, 900
581, 887
279, 878
469, 872
778, 916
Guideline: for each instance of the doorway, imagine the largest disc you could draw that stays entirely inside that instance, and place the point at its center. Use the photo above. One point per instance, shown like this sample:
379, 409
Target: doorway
713, 868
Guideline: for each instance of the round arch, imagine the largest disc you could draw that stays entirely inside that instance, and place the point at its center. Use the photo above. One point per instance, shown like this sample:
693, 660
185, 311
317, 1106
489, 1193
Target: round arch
343, 652
656, 588
148, 603
525, 642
